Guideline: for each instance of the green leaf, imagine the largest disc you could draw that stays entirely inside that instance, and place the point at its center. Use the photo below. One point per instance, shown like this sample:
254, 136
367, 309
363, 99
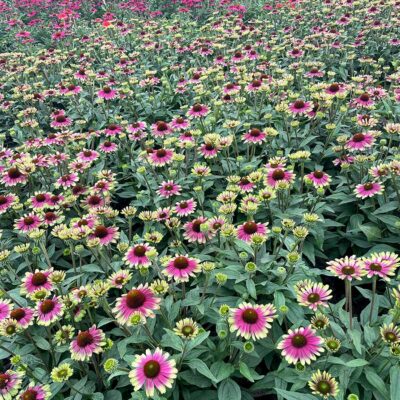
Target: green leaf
356, 338
358, 362
42, 343
113, 395
371, 231
395, 383
287, 395
229, 390
222, 370
376, 381
245, 371
201, 367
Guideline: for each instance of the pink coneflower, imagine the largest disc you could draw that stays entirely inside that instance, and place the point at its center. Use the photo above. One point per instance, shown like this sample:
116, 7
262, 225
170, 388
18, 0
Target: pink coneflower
346, 268
35, 392
161, 129
70, 89
180, 123
368, 189
113, 130
168, 189
180, 268
364, 100
254, 135
87, 343
195, 233
87, 155
335, 88
300, 107
49, 311
237, 57
138, 300
319, 178
301, 345
106, 234
314, 295
81, 75
23, 315
94, 201
37, 280
198, 110
6, 201
315, 73
138, 126
13, 176
245, 185
249, 228
254, 85
276, 175
40, 200
209, 150
136, 255
51, 218
360, 141
28, 223
5, 309
67, 180
10, 382
161, 157
107, 93
163, 214
377, 93
61, 121
252, 321
153, 371
231, 88
185, 207
108, 147
295, 53
216, 223
381, 264
120, 278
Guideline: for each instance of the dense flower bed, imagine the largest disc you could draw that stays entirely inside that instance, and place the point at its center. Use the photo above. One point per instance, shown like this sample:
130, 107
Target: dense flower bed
202, 204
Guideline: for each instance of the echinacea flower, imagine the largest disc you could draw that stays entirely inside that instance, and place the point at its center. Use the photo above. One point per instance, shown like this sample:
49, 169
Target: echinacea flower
6, 201
198, 110
379, 265
13, 176
23, 315
180, 268
252, 321
49, 311
10, 382
314, 295
319, 178
368, 189
161, 157
87, 343
185, 207
136, 256
300, 107
106, 234
153, 371
194, 231
168, 189
276, 175
360, 141
323, 384
38, 280
35, 392
107, 93
140, 299
301, 345
254, 135
186, 328
28, 223
250, 228
347, 268
390, 333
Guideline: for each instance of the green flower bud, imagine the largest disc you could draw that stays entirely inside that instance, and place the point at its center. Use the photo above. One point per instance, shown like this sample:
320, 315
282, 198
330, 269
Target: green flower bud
352, 396
66, 252
36, 250
221, 278
224, 310
248, 347
110, 365
243, 255
300, 367
222, 334
250, 267
284, 309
